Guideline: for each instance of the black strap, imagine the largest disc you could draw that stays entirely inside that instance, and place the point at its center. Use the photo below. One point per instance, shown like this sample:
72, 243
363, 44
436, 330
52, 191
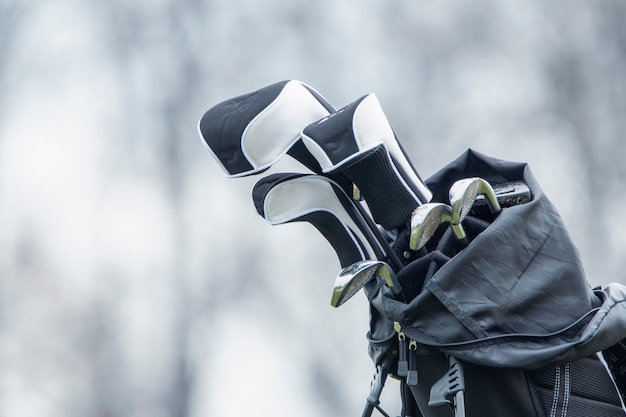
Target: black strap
578, 389
409, 405
615, 357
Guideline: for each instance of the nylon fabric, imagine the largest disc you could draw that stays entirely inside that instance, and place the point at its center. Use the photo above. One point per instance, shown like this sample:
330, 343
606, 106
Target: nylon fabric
517, 296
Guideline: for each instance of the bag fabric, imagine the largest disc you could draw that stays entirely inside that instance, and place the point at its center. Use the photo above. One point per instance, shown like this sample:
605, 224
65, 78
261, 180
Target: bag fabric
514, 306
517, 296
581, 388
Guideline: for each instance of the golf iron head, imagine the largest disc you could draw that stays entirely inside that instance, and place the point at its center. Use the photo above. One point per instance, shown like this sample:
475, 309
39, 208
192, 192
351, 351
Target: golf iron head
466, 195
509, 194
426, 219
358, 141
354, 277
463, 194
283, 198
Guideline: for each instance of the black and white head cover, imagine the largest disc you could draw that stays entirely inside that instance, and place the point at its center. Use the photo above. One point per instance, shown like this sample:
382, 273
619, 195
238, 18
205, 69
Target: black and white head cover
359, 141
288, 197
248, 133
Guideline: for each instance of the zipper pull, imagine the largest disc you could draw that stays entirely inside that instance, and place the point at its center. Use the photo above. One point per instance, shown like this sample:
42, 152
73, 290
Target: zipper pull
411, 376
403, 364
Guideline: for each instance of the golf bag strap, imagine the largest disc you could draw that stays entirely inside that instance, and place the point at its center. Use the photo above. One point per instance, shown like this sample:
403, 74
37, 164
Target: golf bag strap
615, 358
577, 389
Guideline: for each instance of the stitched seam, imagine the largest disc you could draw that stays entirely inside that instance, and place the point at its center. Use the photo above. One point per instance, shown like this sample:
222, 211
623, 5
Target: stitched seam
450, 304
557, 388
567, 390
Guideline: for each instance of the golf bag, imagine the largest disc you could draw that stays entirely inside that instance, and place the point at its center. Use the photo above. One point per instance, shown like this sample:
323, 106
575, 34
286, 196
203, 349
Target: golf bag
493, 317
507, 326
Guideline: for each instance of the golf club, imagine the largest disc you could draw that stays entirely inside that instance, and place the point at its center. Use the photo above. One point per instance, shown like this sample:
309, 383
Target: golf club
282, 198
248, 133
512, 193
359, 141
463, 195
354, 277
425, 221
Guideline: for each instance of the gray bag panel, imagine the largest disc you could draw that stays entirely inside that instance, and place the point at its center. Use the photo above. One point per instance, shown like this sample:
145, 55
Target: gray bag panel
517, 296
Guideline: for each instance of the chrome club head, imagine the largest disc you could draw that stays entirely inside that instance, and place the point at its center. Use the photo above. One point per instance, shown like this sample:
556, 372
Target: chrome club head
426, 219
354, 277
463, 194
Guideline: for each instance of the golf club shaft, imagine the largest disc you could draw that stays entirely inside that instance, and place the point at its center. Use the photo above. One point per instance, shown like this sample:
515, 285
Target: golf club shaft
391, 254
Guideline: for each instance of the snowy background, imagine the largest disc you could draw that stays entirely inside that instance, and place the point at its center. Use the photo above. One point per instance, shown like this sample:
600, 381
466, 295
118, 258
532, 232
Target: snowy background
136, 280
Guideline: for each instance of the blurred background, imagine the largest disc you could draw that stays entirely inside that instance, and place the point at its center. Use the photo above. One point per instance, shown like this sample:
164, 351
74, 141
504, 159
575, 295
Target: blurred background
136, 280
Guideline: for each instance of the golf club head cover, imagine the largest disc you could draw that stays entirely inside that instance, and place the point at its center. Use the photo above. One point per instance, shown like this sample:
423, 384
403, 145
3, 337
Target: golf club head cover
359, 141
248, 133
288, 197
